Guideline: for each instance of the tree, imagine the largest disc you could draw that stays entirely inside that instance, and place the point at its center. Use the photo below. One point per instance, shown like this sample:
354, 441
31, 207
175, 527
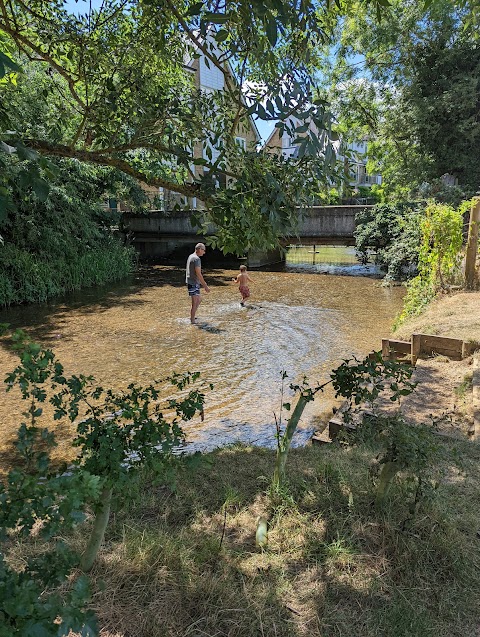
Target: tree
356, 381
118, 95
422, 70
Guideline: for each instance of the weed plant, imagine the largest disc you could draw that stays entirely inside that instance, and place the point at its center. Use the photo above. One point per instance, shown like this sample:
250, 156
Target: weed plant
26, 278
439, 257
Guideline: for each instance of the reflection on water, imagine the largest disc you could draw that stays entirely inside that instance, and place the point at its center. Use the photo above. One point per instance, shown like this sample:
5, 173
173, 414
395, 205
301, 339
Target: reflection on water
328, 259
304, 323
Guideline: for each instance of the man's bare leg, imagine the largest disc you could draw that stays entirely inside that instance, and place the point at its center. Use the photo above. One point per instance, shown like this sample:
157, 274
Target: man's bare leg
195, 303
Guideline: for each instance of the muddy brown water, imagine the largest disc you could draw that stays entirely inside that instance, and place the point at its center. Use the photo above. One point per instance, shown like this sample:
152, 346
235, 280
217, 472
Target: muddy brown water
300, 322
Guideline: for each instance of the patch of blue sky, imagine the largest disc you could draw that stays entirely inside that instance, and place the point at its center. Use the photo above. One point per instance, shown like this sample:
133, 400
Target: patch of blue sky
81, 7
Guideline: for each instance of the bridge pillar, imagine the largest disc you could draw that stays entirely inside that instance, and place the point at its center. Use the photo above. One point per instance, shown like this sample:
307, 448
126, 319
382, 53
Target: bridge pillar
257, 258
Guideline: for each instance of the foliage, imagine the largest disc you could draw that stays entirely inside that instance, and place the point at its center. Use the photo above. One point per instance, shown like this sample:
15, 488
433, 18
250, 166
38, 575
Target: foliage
38, 500
267, 183
392, 233
120, 433
357, 381
364, 381
410, 83
116, 93
441, 192
439, 256
63, 240
410, 448
441, 242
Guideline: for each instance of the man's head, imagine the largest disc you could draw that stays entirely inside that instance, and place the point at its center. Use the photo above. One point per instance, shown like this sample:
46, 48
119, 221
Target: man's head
200, 249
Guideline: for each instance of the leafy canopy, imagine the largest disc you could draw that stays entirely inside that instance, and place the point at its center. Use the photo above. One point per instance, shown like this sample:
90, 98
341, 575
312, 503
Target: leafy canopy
410, 83
116, 92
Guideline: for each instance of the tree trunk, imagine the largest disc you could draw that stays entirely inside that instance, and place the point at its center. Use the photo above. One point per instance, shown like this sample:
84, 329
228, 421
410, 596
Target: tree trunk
284, 443
472, 246
387, 474
98, 531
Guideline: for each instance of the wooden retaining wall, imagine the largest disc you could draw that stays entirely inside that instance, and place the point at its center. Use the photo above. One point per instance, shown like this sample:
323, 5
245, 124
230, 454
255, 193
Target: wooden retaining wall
427, 344
409, 351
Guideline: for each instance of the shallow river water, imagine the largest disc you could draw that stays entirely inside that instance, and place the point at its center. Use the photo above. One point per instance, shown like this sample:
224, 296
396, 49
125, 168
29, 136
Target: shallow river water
297, 320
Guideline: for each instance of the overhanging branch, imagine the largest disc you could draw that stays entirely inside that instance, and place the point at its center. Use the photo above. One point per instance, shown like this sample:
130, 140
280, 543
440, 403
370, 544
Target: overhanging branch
59, 150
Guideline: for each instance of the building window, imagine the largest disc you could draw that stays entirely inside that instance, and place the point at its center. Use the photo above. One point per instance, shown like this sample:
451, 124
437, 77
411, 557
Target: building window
242, 142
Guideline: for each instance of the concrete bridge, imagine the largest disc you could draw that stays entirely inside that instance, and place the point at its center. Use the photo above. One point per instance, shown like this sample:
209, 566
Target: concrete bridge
161, 234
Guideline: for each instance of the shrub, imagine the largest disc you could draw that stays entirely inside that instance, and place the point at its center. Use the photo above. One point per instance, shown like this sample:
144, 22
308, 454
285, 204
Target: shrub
61, 239
391, 232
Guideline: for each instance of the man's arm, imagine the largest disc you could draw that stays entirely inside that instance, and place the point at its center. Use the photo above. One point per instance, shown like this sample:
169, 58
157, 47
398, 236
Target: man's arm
198, 272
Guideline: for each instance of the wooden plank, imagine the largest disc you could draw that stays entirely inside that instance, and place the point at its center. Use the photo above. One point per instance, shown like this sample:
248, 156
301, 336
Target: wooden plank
385, 349
403, 347
415, 348
440, 344
476, 397
335, 425
321, 438
431, 340
431, 344
392, 349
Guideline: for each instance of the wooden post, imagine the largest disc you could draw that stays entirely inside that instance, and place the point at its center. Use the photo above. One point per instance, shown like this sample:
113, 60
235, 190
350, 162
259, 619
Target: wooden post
476, 397
416, 343
472, 246
385, 349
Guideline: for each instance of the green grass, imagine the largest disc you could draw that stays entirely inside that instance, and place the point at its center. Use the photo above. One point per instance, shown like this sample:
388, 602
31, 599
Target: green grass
185, 562
29, 278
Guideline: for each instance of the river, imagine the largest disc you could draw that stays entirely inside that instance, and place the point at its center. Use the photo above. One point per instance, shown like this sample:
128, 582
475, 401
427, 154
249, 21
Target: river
297, 320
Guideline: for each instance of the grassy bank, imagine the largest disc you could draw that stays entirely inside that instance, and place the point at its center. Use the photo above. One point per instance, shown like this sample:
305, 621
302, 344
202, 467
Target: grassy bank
29, 278
185, 562
455, 315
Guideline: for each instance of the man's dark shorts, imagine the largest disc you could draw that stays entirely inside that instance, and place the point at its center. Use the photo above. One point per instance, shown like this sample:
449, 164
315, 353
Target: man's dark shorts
193, 289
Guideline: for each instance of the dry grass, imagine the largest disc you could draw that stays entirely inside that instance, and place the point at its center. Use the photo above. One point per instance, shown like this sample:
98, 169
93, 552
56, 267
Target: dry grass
333, 566
455, 315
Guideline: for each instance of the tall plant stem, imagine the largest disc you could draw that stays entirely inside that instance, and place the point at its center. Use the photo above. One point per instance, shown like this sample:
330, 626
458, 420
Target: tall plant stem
387, 474
284, 443
98, 531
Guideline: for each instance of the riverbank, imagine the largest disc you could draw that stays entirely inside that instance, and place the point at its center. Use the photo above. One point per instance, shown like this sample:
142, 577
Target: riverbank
444, 392
185, 562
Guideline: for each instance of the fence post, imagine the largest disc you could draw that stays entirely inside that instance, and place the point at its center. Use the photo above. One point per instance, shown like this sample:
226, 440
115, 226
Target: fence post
385, 349
472, 246
416, 346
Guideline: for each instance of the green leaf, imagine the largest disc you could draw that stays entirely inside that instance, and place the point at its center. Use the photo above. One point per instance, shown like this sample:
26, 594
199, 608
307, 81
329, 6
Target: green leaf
195, 9
222, 35
7, 63
216, 18
271, 30
26, 154
41, 188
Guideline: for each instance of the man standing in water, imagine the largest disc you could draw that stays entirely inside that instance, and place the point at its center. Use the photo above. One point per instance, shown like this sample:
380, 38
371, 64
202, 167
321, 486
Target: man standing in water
194, 279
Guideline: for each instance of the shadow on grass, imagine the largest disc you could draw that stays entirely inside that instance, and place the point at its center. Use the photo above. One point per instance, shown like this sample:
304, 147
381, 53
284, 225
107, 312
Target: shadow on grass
184, 562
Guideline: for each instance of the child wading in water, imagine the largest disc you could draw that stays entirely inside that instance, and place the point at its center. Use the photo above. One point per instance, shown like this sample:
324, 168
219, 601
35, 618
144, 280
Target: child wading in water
243, 279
